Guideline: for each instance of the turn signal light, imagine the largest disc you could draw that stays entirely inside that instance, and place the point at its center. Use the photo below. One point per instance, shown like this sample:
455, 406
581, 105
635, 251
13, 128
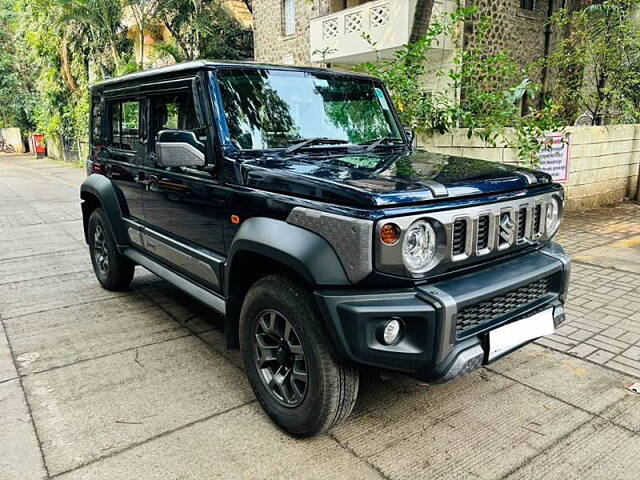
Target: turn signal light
390, 233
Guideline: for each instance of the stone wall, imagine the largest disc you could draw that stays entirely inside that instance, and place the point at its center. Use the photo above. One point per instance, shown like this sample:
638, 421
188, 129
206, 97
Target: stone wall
271, 45
513, 28
603, 162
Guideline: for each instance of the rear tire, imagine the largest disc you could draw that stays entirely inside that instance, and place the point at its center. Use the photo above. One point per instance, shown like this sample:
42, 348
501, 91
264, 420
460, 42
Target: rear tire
312, 388
113, 271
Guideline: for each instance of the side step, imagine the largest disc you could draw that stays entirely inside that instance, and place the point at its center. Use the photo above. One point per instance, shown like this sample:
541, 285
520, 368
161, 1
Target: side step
212, 300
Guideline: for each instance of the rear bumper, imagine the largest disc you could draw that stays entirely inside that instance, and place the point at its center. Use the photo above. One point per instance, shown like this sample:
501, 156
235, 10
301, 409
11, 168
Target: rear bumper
445, 324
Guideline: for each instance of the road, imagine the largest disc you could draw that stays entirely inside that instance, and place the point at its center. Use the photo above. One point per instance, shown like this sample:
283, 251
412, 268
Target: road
96, 384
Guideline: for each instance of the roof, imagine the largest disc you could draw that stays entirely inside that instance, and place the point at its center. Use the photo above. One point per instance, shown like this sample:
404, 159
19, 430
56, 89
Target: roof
201, 64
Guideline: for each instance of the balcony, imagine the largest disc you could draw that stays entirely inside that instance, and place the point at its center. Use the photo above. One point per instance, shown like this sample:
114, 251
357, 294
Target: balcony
339, 37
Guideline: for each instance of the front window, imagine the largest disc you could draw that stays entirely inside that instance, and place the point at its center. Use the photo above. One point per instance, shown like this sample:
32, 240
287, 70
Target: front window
268, 109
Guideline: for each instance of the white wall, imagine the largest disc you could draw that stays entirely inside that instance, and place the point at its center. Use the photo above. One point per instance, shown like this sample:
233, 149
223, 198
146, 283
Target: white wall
603, 163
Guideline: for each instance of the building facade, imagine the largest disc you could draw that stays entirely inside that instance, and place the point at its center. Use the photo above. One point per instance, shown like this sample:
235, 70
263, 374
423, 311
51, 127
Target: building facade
348, 32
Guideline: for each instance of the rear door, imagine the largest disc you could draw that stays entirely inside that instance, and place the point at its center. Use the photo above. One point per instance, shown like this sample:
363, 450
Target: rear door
181, 204
124, 151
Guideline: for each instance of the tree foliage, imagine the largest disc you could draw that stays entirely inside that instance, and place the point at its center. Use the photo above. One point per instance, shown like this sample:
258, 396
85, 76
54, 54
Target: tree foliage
482, 93
51, 50
597, 64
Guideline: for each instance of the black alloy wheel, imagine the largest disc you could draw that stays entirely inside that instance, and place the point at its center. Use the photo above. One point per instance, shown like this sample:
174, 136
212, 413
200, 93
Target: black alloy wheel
280, 359
100, 252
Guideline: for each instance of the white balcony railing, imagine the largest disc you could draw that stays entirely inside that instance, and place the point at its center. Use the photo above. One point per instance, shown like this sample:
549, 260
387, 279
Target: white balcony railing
340, 37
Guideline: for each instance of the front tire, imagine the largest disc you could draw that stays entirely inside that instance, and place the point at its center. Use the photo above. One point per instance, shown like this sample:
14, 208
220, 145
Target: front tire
294, 370
113, 271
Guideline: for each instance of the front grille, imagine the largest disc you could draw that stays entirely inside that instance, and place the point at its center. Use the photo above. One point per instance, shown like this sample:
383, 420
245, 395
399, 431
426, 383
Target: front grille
501, 226
459, 241
488, 310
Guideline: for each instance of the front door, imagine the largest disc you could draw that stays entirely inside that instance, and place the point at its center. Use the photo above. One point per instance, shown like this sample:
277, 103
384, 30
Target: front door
181, 204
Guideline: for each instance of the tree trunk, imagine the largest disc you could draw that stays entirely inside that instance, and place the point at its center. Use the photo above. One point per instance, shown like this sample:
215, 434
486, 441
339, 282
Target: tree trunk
421, 19
571, 76
66, 68
141, 37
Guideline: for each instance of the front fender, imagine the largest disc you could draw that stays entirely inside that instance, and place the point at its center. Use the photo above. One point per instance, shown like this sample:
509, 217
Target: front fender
301, 250
100, 188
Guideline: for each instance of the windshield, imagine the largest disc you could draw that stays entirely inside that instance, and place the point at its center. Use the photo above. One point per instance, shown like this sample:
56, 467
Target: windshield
275, 108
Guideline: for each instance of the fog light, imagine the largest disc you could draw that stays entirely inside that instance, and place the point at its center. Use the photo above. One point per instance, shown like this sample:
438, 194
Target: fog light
391, 332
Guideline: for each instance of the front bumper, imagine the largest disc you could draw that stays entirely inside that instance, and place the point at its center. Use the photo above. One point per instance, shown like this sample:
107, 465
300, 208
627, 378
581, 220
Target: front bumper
445, 324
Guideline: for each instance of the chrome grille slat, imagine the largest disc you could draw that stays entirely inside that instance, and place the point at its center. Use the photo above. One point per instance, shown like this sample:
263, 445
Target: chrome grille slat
522, 222
483, 232
459, 241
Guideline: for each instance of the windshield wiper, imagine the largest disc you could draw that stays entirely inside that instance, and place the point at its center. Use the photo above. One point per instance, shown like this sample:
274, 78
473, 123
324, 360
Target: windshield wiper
313, 141
373, 144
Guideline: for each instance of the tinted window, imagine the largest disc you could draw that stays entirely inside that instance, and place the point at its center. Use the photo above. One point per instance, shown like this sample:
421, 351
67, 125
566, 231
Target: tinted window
174, 111
125, 124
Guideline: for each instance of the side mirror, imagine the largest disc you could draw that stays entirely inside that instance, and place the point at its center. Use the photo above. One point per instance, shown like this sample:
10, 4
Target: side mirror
179, 148
412, 137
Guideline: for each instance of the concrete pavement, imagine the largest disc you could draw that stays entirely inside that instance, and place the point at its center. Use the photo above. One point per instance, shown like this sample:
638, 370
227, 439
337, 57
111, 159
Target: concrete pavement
96, 384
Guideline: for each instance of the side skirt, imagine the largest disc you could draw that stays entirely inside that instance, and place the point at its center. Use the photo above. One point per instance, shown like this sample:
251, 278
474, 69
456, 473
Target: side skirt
211, 299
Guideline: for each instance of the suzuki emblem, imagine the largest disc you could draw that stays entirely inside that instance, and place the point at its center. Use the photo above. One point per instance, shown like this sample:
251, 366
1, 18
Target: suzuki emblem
507, 228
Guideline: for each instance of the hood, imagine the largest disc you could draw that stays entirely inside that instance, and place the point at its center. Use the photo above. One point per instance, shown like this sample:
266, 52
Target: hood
368, 180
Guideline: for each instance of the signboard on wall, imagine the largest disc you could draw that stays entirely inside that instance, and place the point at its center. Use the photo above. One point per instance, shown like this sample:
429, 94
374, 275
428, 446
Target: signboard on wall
554, 158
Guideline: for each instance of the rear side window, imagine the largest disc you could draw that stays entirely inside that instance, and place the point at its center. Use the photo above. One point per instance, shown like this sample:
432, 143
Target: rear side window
125, 124
97, 114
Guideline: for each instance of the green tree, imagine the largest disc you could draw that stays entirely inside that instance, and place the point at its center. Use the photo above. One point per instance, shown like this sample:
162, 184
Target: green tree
483, 92
602, 56
17, 97
203, 29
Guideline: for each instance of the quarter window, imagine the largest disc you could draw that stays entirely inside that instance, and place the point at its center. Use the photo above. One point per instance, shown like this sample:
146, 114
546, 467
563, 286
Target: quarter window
289, 20
97, 112
125, 124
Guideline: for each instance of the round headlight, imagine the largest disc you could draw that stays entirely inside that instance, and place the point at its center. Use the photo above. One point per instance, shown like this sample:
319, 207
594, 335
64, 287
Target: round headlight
553, 216
419, 246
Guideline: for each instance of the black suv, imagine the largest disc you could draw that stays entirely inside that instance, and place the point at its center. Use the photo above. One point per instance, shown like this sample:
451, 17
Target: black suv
292, 201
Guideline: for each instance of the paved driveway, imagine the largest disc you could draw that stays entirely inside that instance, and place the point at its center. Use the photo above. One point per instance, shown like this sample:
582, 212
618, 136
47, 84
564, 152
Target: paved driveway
95, 384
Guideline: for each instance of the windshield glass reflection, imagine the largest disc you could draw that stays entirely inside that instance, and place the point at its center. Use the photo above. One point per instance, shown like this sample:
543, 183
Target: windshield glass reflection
268, 109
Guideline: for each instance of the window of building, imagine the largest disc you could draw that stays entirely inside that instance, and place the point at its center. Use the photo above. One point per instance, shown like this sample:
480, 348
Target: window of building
289, 17
125, 124
528, 4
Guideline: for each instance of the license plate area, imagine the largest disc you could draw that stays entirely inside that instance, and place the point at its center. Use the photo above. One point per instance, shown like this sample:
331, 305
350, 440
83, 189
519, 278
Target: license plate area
504, 339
